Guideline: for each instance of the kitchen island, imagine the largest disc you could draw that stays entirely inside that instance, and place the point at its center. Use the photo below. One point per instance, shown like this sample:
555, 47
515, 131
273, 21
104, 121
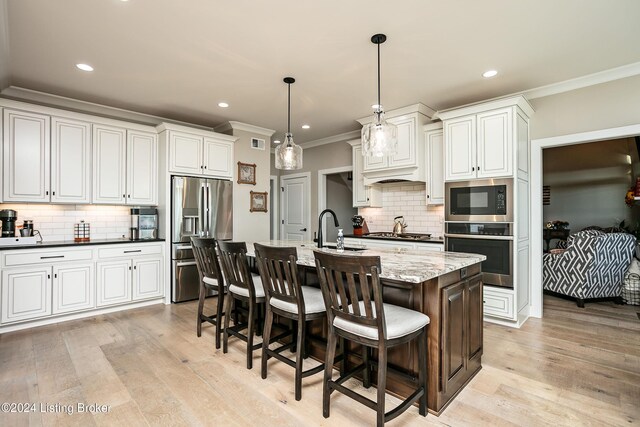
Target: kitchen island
447, 287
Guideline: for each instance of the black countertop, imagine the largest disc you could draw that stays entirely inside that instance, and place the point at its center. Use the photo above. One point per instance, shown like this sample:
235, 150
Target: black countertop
397, 239
59, 244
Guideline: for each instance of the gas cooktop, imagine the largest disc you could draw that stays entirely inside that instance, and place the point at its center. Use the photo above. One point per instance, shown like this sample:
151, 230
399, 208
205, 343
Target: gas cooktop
400, 236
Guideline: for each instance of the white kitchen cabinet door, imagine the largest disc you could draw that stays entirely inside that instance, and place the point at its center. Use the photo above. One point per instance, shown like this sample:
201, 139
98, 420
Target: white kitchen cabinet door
185, 153
109, 164
407, 150
387, 244
495, 144
460, 148
435, 167
26, 293
26, 145
147, 278
70, 161
432, 247
218, 158
113, 282
73, 288
142, 168
363, 196
372, 163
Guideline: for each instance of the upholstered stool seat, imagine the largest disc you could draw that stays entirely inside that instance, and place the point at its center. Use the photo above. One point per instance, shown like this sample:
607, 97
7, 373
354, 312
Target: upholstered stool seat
313, 302
399, 321
245, 292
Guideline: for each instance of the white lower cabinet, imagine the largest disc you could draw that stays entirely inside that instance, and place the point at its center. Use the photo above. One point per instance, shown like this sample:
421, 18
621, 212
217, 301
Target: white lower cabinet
393, 244
129, 280
498, 302
73, 288
26, 293
114, 282
50, 283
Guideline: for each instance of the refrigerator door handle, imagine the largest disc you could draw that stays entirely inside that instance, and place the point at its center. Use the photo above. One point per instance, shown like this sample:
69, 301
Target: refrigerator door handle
207, 214
201, 225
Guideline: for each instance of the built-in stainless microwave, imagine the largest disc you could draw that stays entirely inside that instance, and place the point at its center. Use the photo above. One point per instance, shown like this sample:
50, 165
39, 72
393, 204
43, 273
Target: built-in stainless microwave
479, 200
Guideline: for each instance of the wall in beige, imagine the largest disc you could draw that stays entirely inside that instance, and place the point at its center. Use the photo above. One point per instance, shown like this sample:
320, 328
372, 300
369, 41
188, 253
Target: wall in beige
250, 226
328, 156
602, 106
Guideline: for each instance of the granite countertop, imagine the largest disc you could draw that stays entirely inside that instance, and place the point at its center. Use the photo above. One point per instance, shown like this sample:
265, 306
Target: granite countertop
71, 243
413, 266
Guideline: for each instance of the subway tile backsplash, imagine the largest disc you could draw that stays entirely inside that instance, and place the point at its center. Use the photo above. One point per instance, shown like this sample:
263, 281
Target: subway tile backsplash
408, 200
55, 222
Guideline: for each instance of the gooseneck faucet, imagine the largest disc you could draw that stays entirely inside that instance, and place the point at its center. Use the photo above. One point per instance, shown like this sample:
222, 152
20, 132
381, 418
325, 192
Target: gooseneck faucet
335, 221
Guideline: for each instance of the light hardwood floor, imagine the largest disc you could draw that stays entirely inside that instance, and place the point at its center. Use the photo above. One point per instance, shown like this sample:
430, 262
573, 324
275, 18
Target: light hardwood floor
573, 367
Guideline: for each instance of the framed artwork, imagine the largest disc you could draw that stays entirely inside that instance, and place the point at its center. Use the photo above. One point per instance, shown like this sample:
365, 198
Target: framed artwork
246, 173
258, 202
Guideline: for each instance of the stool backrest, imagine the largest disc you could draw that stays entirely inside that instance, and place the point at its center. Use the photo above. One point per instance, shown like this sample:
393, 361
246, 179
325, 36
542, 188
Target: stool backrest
279, 273
204, 251
233, 259
345, 280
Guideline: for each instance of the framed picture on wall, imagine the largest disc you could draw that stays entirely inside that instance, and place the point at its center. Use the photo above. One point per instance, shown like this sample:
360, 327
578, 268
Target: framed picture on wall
258, 201
246, 173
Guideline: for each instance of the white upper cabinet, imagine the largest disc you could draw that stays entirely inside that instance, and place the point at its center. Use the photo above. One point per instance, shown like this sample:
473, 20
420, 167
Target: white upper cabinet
408, 162
125, 166
480, 140
142, 168
109, 164
26, 145
433, 136
70, 161
198, 152
363, 195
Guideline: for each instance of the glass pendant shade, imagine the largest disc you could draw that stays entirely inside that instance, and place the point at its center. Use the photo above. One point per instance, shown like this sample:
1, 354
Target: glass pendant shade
379, 138
288, 154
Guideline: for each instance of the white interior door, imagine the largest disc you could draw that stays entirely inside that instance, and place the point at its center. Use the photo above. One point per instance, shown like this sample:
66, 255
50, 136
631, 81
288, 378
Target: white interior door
295, 207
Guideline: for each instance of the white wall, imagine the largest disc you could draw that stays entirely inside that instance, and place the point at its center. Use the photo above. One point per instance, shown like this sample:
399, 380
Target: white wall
409, 200
55, 222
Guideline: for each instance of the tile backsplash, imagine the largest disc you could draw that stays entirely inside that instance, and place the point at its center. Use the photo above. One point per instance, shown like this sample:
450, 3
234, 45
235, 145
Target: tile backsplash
406, 199
55, 222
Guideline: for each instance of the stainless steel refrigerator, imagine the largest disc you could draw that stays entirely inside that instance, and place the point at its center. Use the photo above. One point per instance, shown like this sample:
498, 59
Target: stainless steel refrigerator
199, 207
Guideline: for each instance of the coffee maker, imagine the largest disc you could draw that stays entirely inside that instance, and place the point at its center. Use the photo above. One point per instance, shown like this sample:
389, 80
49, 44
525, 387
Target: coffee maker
144, 224
8, 218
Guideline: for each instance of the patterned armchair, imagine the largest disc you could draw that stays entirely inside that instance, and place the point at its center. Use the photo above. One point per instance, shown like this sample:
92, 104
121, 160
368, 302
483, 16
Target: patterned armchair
593, 265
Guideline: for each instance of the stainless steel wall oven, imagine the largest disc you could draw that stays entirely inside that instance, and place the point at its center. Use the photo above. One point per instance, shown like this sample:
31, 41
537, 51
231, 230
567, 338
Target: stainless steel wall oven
494, 240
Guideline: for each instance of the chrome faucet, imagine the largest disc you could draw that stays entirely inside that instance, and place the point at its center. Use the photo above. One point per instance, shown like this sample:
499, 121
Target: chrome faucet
335, 221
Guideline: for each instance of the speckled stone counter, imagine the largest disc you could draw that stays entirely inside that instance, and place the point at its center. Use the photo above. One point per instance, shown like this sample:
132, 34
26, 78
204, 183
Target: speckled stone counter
447, 287
397, 264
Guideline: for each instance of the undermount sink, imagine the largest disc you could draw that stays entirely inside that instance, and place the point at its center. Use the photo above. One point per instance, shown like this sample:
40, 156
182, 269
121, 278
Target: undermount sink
346, 248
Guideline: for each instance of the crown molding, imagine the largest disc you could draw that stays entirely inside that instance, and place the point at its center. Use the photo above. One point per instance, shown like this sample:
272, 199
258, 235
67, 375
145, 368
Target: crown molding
194, 131
233, 125
409, 109
432, 126
605, 76
342, 137
490, 104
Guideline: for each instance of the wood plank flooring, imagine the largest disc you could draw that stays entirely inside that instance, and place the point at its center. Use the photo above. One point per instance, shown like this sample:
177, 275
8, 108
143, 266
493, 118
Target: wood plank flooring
573, 367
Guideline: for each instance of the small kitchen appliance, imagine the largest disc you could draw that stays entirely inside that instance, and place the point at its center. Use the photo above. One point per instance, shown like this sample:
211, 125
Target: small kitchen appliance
144, 224
27, 228
8, 218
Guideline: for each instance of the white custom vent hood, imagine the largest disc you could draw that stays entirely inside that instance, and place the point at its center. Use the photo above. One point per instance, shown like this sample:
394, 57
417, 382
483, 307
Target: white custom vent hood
408, 164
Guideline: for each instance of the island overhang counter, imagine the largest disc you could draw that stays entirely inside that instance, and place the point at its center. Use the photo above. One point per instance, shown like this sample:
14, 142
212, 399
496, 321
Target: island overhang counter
447, 287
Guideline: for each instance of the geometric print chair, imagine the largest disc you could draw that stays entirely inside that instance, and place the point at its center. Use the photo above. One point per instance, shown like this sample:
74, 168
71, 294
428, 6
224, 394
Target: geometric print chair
593, 266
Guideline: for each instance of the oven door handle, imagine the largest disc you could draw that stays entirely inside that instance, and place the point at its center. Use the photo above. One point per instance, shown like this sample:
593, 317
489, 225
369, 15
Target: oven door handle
478, 236
185, 264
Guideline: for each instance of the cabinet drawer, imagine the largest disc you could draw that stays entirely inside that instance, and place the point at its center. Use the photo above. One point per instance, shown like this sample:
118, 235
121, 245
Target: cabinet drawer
129, 251
498, 303
22, 257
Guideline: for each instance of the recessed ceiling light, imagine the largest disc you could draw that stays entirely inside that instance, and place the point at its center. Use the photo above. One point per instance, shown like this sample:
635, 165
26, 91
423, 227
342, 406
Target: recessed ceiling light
375, 106
276, 141
490, 73
85, 67
223, 104
305, 126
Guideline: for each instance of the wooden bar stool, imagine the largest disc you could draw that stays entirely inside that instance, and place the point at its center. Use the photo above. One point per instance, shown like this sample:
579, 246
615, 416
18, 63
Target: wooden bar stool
287, 298
370, 322
243, 286
204, 251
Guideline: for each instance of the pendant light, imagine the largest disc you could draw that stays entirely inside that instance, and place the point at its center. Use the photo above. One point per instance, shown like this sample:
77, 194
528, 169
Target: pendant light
288, 154
379, 138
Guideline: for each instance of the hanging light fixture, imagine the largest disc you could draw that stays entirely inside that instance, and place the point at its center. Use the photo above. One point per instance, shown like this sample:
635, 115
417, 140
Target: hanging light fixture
288, 154
379, 138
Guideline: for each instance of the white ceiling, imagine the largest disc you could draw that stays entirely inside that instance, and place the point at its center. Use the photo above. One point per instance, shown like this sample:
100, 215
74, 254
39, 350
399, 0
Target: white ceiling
178, 59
